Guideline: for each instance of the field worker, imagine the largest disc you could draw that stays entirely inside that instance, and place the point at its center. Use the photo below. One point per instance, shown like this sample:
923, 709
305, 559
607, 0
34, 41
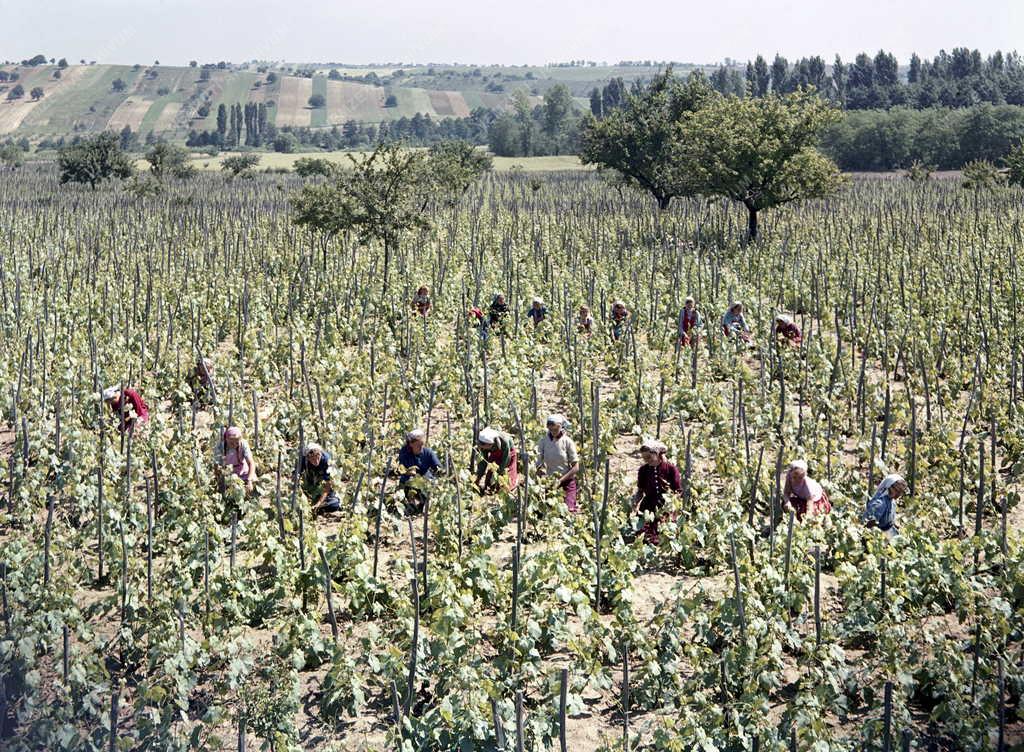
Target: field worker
538, 312
128, 405
418, 466
734, 324
496, 449
557, 458
803, 494
881, 509
421, 301
584, 321
201, 381
316, 480
656, 477
498, 310
620, 317
235, 457
786, 328
689, 323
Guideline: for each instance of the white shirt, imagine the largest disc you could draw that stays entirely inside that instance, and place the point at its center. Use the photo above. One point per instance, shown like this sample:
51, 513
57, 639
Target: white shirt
556, 455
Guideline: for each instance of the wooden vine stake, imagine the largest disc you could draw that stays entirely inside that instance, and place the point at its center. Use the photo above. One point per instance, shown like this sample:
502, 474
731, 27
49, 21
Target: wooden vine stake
563, 695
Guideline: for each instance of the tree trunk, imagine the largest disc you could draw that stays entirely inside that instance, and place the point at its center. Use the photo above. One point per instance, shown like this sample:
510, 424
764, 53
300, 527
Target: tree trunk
752, 231
387, 265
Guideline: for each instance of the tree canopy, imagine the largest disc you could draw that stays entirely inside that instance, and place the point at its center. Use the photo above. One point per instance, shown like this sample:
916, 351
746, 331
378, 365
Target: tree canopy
93, 160
169, 160
382, 195
642, 140
760, 152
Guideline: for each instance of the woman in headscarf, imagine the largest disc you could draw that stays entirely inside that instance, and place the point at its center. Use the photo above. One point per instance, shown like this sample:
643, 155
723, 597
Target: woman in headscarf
558, 458
497, 449
734, 324
236, 458
538, 311
803, 494
584, 321
498, 311
786, 328
421, 301
418, 466
316, 479
128, 405
881, 509
656, 477
620, 318
689, 323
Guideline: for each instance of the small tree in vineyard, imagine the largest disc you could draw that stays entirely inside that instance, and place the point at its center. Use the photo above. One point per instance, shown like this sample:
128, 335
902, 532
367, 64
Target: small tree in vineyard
93, 160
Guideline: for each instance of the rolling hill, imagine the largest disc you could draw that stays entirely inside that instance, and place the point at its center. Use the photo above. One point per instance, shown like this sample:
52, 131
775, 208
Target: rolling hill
169, 101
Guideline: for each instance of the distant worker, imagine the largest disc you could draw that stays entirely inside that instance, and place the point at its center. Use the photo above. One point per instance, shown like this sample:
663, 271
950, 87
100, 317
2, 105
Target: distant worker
421, 301
538, 311
619, 319
316, 479
690, 323
499, 459
786, 328
803, 494
235, 458
498, 311
881, 509
655, 478
584, 321
734, 324
557, 458
201, 382
128, 405
418, 466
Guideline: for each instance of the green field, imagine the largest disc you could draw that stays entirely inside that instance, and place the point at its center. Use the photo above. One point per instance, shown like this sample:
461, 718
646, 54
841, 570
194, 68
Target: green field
501, 164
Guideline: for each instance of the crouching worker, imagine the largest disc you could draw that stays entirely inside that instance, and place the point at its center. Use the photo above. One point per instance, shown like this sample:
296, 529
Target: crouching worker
419, 466
656, 477
786, 328
802, 493
316, 480
557, 458
689, 324
499, 459
734, 324
201, 382
128, 405
235, 460
881, 509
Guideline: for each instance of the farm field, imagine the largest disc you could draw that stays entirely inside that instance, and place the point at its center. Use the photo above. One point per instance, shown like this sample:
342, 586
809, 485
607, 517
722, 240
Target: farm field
144, 608
501, 164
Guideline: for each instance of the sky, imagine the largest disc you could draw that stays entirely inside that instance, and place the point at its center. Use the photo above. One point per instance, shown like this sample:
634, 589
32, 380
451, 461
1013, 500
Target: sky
513, 32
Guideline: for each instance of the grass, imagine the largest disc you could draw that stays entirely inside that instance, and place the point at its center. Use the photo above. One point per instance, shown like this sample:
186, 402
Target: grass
501, 164
319, 114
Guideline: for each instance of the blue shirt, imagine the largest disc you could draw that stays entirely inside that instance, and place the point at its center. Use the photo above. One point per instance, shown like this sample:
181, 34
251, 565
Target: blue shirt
426, 463
882, 510
315, 474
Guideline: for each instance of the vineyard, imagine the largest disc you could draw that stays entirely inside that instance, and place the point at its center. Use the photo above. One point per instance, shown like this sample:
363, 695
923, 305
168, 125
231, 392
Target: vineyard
144, 608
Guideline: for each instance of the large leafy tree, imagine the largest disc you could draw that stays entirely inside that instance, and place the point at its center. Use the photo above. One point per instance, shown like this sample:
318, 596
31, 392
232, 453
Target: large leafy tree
456, 165
761, 152
93, 160
643, 140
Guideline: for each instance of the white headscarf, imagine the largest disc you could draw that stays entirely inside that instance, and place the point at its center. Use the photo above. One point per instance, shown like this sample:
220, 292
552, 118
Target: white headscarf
653, 445
109, 393
415, 434
888, 482
487, 436
798, 464
312, 447
538, 301
785, 318
558, 419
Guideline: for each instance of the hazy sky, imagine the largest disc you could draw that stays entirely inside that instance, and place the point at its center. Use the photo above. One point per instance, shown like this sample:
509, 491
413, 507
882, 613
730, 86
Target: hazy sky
510, 32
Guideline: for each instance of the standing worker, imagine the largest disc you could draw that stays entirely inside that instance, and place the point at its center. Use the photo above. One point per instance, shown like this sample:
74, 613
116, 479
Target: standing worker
656, 477
499, 459
557, 458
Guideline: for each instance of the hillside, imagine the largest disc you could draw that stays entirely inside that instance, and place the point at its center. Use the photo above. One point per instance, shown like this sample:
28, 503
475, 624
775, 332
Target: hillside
168, 101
